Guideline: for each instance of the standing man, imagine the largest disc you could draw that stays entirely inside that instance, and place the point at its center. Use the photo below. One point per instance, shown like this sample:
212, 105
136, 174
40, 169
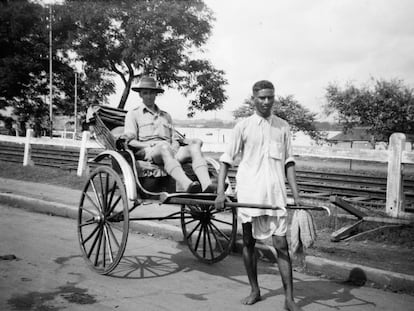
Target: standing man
264, 142
150, 132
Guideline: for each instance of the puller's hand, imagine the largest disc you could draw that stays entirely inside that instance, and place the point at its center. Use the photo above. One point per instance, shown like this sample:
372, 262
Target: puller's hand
219, 202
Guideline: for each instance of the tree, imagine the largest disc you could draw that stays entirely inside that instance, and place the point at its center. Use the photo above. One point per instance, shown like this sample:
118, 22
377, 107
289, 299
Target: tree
384, 107
23, 54
23, 59
159, 37
287, 108
24, 64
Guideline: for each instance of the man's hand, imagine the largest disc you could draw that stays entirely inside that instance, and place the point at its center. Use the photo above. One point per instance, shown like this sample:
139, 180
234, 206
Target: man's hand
219, 202
175, 146
121, 143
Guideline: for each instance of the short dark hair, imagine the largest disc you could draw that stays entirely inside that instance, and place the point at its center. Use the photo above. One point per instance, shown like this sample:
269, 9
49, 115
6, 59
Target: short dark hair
261, 85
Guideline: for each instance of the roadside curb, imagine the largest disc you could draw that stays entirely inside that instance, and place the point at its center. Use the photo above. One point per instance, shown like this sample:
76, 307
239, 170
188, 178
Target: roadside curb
336, 270
360, 275
38, 205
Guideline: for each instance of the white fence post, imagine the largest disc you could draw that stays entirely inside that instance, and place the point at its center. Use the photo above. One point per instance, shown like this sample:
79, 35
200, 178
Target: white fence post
27, 159
83, 154
395, 195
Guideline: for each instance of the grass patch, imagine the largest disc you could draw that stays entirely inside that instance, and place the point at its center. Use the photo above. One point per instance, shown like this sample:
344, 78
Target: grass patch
42, 174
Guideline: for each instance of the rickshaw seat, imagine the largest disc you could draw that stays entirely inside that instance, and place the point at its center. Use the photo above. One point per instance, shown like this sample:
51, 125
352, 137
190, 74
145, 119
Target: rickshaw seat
108, 125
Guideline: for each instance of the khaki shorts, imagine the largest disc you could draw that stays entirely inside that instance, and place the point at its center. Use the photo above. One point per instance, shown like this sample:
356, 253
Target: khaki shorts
146, 154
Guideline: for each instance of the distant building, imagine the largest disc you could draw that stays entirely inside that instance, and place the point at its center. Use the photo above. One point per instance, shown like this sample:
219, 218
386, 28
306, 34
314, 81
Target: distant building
360, 138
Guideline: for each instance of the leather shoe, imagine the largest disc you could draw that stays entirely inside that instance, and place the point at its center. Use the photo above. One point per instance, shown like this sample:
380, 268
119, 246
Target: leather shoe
194, 187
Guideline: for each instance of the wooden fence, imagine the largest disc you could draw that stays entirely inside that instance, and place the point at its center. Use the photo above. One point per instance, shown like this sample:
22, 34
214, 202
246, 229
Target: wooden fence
395, 157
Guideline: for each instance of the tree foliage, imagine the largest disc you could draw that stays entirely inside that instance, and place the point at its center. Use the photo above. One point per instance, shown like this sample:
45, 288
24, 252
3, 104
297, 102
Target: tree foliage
99, 40
134, 38
384, 107
23, 53
287, 108
24, 64
23, 59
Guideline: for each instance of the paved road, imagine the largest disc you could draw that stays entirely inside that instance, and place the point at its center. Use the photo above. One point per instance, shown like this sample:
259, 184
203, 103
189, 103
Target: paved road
155, 274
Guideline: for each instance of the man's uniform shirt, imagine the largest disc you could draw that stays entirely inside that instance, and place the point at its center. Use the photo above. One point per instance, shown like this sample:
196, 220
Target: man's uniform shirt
146, 125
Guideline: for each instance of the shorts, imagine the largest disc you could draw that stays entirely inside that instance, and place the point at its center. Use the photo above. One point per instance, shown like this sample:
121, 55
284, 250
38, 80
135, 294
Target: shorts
147, 153
265, 226
144, 154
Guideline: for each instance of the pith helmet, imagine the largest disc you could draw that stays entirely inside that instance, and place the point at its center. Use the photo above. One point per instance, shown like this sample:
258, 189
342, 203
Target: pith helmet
147, 83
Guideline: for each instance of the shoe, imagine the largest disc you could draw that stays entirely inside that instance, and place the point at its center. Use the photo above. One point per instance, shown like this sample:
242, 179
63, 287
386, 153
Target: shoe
211, 188
194, 187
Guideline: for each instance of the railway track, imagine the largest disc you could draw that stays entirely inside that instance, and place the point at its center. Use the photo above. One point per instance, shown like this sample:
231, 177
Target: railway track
379, 181
365, 190
64, 157
353, 185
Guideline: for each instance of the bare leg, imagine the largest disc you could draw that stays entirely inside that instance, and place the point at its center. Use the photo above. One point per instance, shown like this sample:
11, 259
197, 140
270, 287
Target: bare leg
250, 263
163, 154
285, 269
193, 152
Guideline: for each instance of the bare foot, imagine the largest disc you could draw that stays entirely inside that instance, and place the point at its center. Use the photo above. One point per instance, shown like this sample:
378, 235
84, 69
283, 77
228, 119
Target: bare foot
251, 299
291, 306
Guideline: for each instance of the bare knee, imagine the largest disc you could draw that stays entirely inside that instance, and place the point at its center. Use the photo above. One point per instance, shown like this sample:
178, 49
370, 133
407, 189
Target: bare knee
196, 142
280, 243
195, 147
164, 150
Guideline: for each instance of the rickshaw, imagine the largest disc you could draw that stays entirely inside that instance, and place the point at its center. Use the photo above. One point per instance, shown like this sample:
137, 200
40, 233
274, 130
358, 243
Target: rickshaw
120, 184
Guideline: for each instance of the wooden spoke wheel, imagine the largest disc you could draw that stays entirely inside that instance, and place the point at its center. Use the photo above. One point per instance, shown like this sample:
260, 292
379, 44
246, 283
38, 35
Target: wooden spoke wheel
103, 220
209, 234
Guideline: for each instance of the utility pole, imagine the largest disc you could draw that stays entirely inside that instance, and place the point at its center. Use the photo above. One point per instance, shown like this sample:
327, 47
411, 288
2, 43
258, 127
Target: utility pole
50, 73
76, 103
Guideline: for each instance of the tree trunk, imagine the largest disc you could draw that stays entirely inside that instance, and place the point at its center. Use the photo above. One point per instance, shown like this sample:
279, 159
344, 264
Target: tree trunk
125, 94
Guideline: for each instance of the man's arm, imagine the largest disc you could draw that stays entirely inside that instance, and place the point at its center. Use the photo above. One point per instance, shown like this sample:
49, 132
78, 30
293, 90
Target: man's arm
291, 177
175, 145
227, 160
221, 197
138, 145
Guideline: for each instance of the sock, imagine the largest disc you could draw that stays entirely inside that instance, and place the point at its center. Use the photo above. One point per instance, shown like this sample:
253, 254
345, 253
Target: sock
174, 169
201, 170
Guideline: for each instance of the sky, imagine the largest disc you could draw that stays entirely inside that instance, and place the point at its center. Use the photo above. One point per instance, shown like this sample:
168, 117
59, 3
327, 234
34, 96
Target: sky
302, 46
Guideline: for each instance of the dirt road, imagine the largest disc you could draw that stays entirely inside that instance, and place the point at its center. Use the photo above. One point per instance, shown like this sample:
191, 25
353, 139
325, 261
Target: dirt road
41, 269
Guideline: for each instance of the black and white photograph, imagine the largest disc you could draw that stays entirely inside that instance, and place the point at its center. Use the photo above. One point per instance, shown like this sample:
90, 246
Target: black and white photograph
170, 155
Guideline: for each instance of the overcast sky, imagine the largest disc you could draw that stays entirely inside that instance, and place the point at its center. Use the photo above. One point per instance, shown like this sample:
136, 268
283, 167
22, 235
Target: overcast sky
301, 46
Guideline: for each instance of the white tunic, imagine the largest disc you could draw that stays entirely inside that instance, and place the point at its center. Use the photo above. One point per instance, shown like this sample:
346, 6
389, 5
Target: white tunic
265, 147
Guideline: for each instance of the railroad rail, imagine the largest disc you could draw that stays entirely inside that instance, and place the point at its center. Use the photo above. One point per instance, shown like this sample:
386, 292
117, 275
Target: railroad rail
364, 191
63, 157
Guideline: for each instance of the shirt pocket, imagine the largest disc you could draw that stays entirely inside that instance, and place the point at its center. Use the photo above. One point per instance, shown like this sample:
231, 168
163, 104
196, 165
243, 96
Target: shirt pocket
167, 130
146, 129
275, 151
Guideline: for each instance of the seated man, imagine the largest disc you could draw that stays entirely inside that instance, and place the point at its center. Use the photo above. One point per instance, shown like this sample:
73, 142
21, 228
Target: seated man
149, 131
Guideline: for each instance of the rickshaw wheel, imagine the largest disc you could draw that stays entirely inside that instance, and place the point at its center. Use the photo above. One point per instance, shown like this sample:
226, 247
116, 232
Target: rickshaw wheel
103, 220
209, 234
